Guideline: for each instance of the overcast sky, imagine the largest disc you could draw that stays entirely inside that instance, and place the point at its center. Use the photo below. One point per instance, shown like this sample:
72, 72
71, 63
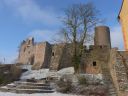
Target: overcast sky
20, 19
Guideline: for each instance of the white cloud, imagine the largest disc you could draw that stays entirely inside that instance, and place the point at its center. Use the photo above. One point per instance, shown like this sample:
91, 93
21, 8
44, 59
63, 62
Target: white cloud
117, 37
43, 35
31, 11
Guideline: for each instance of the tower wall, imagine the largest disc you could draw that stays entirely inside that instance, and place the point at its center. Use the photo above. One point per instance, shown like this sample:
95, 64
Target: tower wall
102, 36
57, 53
94, 58
26, 51
42, 55
61, 56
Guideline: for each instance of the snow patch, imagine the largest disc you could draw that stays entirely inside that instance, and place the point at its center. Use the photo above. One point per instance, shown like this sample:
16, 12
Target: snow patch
44, 73
37, 74
43, 94
69, 70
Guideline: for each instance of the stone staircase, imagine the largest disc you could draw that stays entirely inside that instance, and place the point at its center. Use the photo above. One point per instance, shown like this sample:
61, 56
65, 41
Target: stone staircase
108, 81
28, 87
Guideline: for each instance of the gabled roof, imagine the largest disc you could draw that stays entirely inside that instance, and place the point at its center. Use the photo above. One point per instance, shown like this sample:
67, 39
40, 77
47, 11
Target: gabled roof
120, 9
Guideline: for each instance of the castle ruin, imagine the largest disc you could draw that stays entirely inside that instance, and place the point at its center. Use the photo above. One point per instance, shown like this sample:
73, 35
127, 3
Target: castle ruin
58, 56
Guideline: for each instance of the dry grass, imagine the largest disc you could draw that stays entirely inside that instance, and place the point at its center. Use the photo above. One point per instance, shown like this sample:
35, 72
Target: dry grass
81, 88
64, 86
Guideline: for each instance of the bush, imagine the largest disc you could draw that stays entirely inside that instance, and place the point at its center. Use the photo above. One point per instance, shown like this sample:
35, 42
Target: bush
82, 87
15, 72
82, 80
4, 80
9, 73
64, 86
90, 90
1, 80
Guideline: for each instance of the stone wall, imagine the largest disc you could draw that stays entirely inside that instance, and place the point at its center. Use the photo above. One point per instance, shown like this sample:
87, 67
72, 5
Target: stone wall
26, 52
48, 54
42, 54
102, 36
61, 56
118, 71
66, 59
112, 64
94, 58
57, 52
58, 56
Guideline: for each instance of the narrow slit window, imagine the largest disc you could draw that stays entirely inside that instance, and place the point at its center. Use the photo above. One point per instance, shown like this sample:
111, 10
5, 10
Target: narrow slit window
53, 54
94, 63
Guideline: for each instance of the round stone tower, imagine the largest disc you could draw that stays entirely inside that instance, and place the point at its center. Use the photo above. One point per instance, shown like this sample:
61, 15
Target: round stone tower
102, 36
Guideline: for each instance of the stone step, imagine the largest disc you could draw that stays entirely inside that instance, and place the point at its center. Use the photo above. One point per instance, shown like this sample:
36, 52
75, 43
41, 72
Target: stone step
29, 87
34, 87
6, 89
11, 85
32, 84
30, 91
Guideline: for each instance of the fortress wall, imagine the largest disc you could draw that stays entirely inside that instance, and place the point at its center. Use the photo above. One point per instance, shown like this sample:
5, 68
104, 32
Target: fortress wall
26, 52
118, 70
39, 55
94, 58
57, 52
112, 64
47, 58
66, 60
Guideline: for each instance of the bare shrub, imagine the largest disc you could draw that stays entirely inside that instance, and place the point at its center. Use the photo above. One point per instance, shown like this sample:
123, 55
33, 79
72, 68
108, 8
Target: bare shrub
64, 86
90, 90
15, 72
81, 87
82, 80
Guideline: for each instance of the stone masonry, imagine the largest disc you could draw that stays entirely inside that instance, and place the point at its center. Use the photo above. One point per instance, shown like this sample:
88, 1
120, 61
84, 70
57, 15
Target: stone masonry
99, 58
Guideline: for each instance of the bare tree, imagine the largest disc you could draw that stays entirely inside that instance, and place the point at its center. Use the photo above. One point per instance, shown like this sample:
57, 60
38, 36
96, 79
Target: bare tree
78, 20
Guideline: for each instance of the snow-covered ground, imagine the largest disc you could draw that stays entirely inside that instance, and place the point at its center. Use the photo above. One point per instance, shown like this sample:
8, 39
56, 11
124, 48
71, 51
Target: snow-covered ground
43, 73
37, 74
69, 70
38, 94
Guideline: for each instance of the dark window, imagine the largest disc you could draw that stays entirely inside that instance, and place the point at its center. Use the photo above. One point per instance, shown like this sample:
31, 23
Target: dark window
53, 54
94, 63
101, 47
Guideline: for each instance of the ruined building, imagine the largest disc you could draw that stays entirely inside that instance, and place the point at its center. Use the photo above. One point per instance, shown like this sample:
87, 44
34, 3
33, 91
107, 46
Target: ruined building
57, 56
99, 58
123, 18
44, 55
